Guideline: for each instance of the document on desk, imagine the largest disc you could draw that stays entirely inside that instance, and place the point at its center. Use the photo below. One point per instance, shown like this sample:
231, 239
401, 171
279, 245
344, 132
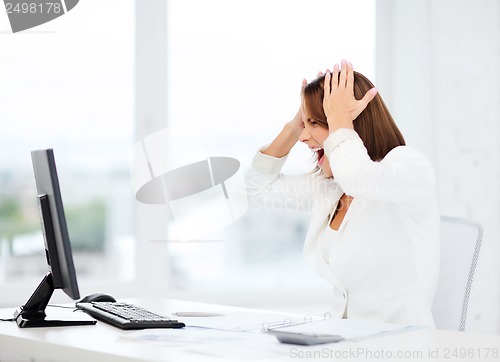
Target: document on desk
349, 329
232, 344
247, 321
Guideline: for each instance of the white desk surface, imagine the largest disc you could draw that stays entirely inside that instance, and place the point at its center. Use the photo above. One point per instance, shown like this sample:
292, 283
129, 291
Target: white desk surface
103, 342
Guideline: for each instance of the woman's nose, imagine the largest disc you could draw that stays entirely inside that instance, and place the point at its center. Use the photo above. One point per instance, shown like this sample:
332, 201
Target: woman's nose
304, 136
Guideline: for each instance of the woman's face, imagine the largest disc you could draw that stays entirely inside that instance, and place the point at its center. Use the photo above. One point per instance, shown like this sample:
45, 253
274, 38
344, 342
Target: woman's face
313, 136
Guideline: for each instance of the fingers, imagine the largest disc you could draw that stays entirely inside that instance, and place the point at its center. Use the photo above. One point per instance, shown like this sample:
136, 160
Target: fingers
368, 97
350, 77
327, 83
363, 103
336, 76
343, 74
341, 77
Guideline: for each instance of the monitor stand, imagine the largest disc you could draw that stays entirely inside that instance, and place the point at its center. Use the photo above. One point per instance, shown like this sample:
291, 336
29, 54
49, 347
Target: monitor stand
32, 314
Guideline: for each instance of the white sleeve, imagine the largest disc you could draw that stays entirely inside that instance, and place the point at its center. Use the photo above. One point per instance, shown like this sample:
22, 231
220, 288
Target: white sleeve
403, 176
267, 185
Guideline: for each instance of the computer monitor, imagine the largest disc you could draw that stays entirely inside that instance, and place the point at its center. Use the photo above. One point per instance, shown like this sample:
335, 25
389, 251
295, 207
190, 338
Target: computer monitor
61, 270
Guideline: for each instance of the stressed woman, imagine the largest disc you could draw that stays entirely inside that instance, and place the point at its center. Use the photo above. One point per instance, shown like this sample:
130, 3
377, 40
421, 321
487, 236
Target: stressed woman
374, 218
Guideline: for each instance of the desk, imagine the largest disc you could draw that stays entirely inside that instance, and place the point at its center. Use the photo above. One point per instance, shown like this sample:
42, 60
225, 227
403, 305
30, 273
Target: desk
106, 343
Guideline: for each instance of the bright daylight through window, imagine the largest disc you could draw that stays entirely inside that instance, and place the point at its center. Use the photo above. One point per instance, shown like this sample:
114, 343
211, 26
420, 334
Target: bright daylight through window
55, 92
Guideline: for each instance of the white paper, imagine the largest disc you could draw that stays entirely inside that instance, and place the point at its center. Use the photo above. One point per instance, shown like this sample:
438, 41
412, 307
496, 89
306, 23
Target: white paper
246, 321
347, 328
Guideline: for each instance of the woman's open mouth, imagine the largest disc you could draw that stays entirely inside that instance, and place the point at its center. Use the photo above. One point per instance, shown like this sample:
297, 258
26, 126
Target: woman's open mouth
320, 155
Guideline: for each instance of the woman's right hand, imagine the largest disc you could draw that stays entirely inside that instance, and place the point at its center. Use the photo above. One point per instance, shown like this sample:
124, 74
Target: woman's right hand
298, 120
290, 134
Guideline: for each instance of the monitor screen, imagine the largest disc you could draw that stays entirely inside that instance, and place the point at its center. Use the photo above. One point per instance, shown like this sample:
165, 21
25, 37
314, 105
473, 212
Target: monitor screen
59, 256
61, 270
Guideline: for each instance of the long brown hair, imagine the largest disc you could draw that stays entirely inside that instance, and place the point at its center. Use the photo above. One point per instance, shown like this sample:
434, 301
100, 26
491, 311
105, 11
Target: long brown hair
374, 125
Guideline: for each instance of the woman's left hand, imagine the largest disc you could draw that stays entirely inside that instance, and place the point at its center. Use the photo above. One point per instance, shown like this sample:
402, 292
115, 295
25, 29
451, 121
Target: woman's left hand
339, 103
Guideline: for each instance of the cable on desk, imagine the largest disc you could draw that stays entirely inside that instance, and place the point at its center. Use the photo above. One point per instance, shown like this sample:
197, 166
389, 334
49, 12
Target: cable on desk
7, 320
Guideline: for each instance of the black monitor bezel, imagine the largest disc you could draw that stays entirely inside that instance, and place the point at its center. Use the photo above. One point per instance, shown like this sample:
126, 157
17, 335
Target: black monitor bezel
60, 256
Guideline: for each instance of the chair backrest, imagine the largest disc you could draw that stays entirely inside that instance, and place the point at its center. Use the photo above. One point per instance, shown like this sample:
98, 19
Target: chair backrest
460, 245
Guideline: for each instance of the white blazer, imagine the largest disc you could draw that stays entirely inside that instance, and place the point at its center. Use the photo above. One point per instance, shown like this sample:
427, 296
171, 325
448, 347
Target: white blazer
384, 260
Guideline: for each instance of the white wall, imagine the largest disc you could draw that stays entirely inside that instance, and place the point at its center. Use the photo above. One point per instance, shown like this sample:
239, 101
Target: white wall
438, 70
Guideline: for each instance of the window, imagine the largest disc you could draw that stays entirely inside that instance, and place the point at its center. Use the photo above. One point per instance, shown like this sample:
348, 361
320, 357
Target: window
69, 85
235, 70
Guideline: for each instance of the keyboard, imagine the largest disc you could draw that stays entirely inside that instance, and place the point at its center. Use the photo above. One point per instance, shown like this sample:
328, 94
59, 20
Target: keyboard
127, 316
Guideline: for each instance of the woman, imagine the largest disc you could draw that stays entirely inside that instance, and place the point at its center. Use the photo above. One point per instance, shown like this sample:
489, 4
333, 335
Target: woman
374, 228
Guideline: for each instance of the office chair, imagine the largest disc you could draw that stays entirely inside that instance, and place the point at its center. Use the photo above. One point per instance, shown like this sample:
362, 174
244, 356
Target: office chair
460, 245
